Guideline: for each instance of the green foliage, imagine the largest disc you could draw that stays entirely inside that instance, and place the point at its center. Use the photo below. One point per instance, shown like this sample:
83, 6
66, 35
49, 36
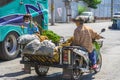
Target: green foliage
51, 36
92, 3
81, 9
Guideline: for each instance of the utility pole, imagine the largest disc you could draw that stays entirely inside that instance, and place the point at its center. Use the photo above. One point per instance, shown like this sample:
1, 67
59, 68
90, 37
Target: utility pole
67, 5
52, 12
112, 9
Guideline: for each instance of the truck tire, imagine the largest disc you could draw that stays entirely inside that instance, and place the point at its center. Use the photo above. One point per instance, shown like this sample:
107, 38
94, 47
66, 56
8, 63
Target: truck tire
9, 48
41, 70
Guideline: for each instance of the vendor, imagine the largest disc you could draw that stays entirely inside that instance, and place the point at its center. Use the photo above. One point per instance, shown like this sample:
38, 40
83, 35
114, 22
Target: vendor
31, 27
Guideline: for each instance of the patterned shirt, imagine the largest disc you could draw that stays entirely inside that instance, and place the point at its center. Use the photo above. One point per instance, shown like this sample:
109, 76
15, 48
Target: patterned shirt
83, 37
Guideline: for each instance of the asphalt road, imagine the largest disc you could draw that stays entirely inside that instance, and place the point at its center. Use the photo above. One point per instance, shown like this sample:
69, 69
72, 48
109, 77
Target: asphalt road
12, 70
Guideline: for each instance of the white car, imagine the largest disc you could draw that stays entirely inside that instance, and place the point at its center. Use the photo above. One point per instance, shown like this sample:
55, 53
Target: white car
88, 16
116, 15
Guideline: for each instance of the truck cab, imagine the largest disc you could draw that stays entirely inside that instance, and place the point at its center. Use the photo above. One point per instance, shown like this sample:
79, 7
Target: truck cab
11, 19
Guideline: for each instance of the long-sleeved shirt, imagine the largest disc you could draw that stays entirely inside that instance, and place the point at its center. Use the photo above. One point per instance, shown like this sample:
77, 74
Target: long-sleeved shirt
83, 37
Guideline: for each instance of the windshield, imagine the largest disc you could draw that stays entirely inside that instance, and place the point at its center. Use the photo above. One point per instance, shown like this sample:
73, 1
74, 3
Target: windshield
117, 14
4, 2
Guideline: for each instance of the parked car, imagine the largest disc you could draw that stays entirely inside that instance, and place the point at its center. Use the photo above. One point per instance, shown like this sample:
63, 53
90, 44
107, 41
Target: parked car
88, 16
116, 15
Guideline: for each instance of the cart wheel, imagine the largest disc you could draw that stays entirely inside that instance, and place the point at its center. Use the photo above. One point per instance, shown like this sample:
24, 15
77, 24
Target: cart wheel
41, 70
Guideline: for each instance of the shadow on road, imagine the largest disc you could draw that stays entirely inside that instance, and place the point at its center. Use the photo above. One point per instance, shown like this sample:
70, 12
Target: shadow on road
1, 61
13, 74
55, 76
87, 77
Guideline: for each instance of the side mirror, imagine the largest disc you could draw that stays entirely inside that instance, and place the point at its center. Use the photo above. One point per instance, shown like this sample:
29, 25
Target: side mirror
103, 30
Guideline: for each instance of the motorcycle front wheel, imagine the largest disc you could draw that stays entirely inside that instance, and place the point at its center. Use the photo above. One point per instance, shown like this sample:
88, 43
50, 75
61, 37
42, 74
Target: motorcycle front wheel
76, 71
99, 63
76, 74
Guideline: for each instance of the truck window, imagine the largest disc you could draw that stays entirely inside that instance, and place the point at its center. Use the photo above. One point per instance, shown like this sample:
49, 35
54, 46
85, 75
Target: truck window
38, 19
4, 2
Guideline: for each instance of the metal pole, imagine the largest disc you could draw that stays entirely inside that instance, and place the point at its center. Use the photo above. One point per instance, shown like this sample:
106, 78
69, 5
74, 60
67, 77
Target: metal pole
112, 9
67, 4
52, 12
67, 14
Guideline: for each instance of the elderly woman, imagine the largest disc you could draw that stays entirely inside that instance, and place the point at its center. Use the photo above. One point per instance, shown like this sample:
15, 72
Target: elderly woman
83, 36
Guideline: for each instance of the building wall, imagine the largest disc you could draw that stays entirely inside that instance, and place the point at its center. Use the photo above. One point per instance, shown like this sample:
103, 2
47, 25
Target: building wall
60, 10
116, 6
103, 10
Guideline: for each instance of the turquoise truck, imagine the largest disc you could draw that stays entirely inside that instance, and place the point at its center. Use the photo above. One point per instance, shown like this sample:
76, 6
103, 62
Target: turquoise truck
11, 18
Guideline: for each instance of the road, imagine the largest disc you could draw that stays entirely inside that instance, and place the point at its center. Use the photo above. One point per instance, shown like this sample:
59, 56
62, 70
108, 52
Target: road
12, 70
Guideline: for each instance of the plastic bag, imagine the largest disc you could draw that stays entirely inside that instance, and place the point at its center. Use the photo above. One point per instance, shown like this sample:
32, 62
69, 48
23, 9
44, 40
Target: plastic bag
48, 43
46, 48
47, 51
40, 48
31, 47
24, 39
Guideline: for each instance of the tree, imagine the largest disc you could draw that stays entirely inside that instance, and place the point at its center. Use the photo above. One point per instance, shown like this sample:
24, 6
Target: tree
81, 9
92, 3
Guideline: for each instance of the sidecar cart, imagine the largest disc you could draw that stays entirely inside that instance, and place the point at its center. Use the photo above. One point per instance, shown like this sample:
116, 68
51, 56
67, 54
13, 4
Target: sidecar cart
65, 58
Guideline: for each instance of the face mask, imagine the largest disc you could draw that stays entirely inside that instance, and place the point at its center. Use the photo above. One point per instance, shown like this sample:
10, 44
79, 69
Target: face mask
27, 22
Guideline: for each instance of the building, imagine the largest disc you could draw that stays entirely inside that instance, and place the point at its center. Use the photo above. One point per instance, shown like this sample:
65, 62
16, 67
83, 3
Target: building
60, 10
104, 10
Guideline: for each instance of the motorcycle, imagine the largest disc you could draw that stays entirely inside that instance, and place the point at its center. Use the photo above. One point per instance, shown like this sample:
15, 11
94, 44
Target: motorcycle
81, 61
73, 59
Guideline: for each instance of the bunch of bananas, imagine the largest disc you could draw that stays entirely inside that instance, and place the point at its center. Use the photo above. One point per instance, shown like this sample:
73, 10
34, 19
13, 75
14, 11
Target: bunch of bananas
56, 52
41, 37
68, 42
